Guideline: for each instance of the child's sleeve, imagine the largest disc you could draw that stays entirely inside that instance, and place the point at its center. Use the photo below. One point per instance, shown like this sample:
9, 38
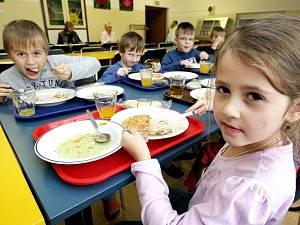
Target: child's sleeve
235, 201
168, 64
110, 75
81, 66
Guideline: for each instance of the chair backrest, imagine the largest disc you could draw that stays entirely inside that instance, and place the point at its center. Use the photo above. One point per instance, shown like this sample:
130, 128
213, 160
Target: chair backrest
107, 46
116, 58
150, 45
4, 56
166, 44
56, 52
78, 47
85, 81
197, 42
5, 65
114, 47
102, 70
92, 49
156, 53
206, 48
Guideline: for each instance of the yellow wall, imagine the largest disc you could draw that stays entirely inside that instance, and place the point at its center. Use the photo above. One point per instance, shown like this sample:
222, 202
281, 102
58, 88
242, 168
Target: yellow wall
197, 9
188, 10
14, 9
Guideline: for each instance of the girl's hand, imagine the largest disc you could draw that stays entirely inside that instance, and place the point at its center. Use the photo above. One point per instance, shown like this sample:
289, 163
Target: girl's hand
199, 108
5, 90
63, 72
156, 67
122, 72
203, 55
135, 144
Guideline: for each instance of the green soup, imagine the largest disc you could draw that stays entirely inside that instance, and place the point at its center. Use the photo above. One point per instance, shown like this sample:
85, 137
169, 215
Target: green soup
81, 146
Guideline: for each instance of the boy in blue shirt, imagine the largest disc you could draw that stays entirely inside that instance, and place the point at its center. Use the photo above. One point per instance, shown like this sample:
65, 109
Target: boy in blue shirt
185, 53
131, 48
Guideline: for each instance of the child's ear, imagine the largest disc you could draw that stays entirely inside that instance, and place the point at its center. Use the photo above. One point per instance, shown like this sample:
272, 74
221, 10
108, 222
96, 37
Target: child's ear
294, 111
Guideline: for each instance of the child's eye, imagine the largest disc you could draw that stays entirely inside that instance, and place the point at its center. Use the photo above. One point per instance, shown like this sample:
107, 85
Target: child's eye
253, 96
21, 54
222, 89
37, 53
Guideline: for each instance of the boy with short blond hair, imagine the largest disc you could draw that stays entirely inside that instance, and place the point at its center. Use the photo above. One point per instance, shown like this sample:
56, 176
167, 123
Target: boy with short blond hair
27, 46
131, 48
184, 54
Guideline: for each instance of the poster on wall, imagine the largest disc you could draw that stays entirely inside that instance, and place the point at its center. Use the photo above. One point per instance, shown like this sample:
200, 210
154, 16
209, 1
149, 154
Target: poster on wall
126, 5
102, 4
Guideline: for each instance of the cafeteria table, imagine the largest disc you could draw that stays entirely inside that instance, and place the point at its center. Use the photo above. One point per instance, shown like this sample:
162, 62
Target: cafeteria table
18, 205
57, 199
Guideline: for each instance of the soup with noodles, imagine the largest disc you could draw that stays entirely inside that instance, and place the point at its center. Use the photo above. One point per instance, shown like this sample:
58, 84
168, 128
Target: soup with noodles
81, 146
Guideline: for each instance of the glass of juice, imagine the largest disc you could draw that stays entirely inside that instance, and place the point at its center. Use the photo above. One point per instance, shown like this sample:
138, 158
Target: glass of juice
146, 77
177, 84
106, 103
24, 101
205, 66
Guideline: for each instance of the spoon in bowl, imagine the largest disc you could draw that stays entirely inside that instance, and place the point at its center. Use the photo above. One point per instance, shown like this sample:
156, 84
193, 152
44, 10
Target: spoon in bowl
100, 136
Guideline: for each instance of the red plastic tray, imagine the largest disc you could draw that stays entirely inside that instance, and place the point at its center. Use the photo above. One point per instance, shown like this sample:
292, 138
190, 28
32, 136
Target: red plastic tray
100, 170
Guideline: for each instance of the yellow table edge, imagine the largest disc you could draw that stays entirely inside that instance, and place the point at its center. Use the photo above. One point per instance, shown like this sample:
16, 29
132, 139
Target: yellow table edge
18, 205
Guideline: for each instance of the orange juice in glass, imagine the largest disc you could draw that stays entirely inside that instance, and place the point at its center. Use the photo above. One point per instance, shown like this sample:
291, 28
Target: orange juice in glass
106, 103
146, 77
205, 66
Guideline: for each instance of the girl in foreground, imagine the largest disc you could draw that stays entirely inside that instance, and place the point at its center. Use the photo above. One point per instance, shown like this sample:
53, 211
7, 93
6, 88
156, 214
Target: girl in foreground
257, 108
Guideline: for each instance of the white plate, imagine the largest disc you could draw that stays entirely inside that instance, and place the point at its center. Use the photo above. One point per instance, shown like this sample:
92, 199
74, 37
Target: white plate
193, 85
156, 114
87, 92
195, 65
203, 93
47, 145
53, 96
186, 75
137, 76
208, 82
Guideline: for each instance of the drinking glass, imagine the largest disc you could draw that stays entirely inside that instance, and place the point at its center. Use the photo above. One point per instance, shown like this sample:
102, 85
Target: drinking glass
106, 103
205, 66
24, 101
177, 86
146, 77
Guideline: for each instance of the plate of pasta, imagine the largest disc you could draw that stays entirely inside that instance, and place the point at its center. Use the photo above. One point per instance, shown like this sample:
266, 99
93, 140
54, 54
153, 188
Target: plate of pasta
155, 123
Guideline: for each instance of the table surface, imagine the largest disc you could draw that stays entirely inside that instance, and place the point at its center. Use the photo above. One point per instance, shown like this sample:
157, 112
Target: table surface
57, 199
18, 205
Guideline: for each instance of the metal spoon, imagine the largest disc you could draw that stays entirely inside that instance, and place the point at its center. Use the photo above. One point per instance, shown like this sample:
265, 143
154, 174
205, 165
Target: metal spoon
100, 136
